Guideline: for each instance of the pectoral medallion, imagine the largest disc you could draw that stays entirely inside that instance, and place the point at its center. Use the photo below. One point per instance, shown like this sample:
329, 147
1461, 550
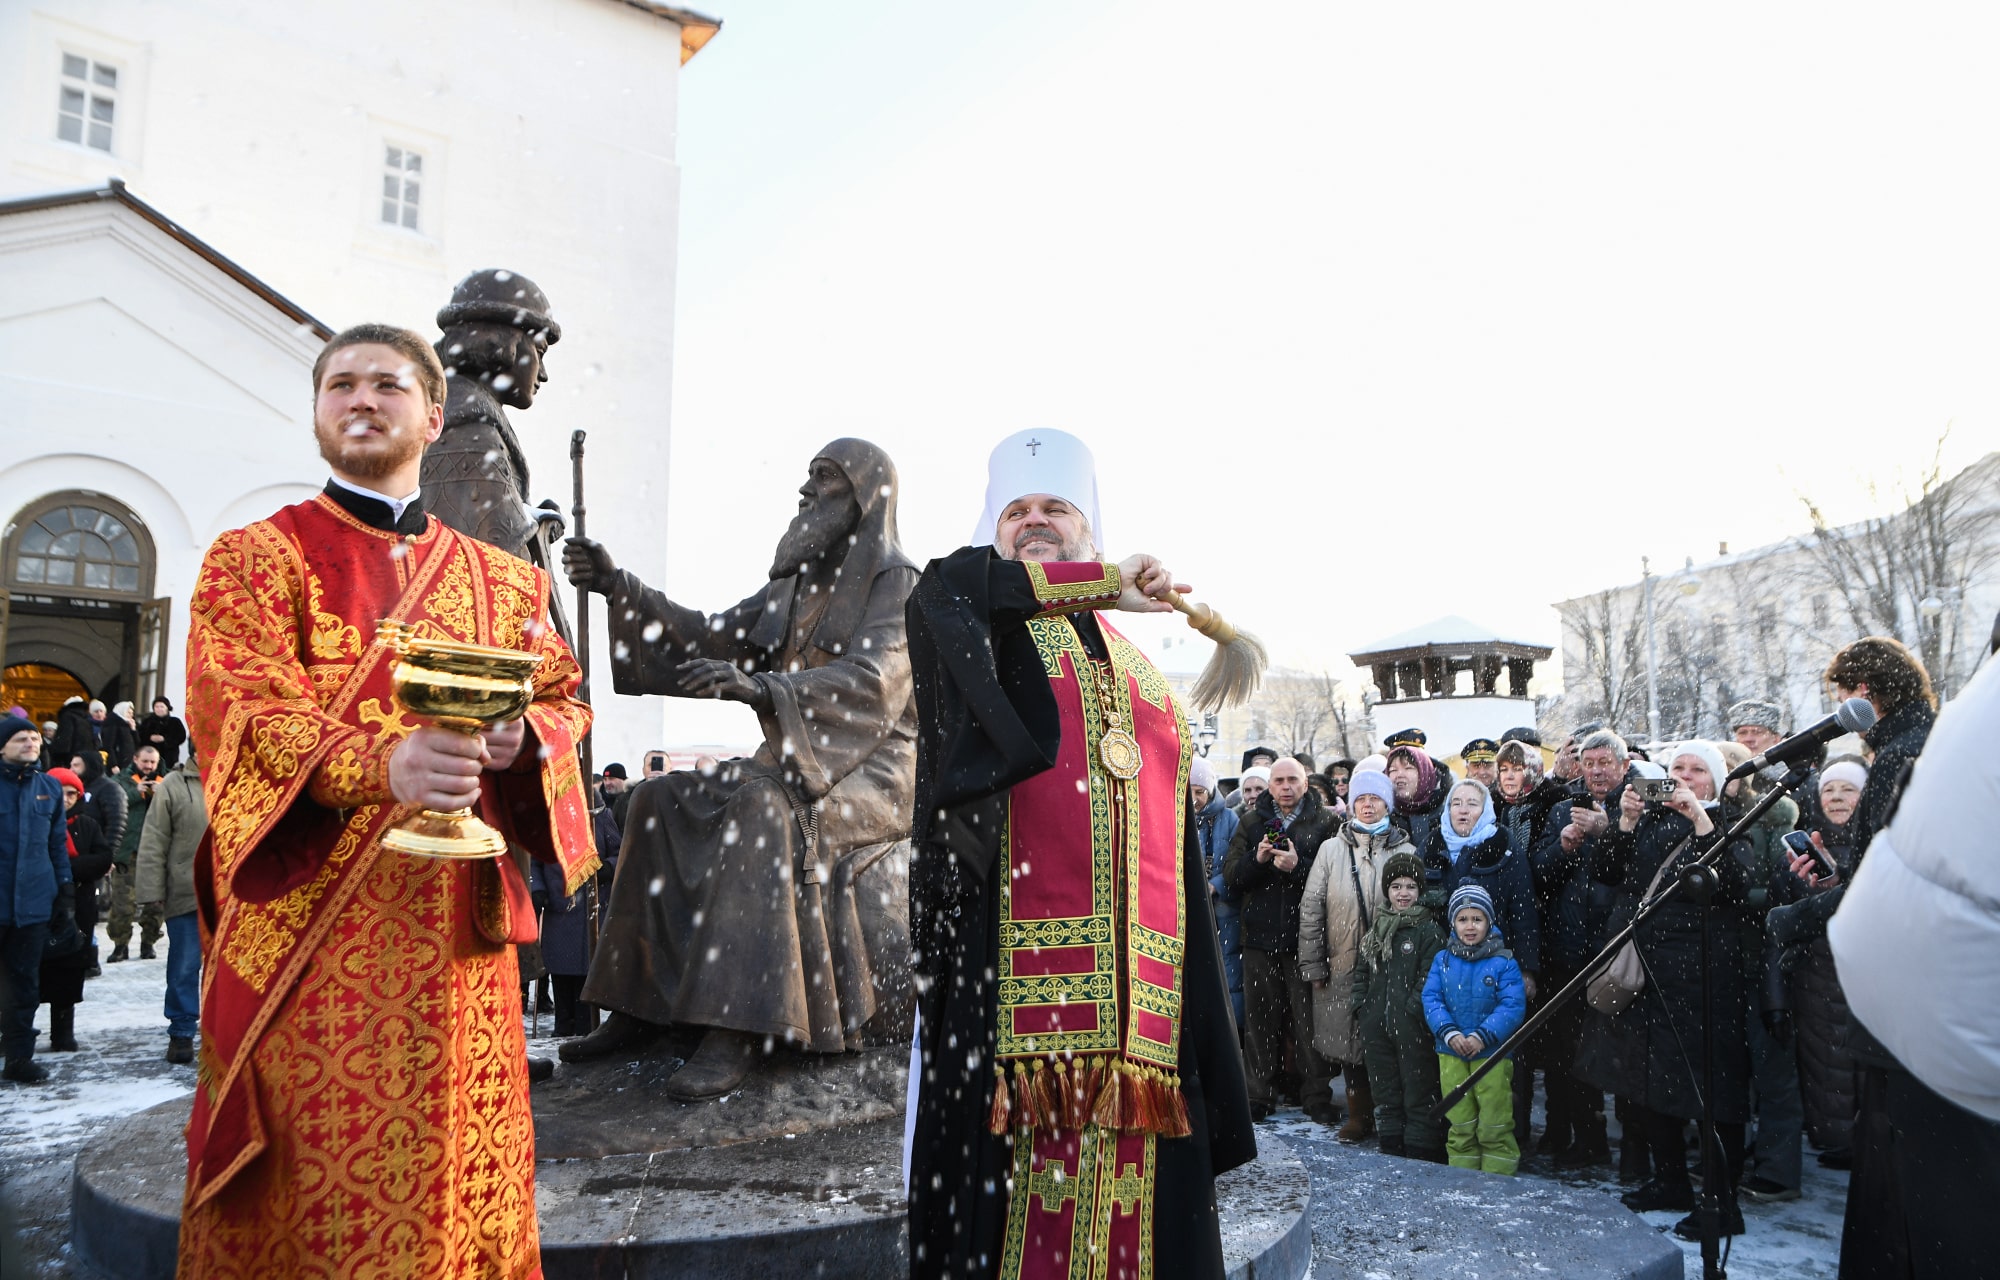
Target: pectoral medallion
1119, 752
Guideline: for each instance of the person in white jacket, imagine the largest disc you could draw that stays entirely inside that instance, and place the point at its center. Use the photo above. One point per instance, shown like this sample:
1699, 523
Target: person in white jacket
1913, 940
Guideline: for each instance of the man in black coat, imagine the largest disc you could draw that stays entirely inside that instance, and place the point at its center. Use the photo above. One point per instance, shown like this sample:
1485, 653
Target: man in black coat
1269, 861
1573, 909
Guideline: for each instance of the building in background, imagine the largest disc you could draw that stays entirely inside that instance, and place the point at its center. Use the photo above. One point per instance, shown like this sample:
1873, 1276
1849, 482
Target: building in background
1764, 623
360, 176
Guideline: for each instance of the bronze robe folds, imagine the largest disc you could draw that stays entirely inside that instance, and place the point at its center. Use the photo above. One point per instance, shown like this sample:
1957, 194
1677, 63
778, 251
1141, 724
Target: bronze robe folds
738, 899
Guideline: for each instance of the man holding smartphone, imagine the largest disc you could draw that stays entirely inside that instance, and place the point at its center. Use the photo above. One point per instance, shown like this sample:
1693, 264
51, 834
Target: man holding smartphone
1269, 860
1573, 912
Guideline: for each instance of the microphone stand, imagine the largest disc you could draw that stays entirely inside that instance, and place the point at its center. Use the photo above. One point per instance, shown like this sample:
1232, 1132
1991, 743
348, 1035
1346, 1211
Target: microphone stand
1698, 881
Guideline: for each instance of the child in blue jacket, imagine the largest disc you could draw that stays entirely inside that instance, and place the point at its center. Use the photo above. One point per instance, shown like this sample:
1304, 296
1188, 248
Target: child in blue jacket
1473, 1000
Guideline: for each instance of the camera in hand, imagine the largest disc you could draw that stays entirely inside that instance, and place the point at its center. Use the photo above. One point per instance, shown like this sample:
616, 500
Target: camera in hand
1656, 791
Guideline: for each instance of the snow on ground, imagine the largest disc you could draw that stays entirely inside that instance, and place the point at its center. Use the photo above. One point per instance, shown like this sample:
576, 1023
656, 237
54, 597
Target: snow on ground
1797, 1240
120, 1069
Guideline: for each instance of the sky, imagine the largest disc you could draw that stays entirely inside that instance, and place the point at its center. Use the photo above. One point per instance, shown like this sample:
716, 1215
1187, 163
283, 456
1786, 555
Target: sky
1371, 313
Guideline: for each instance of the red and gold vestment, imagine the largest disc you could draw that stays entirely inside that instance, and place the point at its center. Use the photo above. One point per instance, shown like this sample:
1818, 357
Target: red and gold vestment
362, 1106
1092, 935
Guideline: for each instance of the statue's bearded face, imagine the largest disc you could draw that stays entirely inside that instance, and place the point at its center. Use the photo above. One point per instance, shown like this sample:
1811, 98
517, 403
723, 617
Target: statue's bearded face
372, 415
509, 360
1043, 527
827, 515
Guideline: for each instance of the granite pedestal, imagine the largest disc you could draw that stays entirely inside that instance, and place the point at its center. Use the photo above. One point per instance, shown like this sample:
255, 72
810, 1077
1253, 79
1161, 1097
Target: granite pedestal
799, 1173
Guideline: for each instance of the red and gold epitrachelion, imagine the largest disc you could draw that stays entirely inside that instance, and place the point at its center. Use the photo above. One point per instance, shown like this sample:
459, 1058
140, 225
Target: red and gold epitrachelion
362, 1107
1093, 922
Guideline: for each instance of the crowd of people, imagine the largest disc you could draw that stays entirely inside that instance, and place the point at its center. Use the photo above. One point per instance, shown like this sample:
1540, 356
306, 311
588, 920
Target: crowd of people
1387, 922
100, 819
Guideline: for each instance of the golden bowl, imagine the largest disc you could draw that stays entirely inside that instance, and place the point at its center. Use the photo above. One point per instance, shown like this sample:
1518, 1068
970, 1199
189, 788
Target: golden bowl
456, 686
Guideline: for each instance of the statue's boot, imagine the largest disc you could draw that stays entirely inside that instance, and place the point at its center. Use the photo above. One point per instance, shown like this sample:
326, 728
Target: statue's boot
717, 1067
540, 1069
621, 1033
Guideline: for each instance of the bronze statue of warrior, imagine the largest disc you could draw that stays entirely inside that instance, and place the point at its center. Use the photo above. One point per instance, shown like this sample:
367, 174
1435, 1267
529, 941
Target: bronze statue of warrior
497, 332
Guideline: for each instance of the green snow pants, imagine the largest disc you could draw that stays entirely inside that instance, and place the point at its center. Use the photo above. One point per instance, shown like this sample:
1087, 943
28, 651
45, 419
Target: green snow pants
1482, 1124
1404, 1080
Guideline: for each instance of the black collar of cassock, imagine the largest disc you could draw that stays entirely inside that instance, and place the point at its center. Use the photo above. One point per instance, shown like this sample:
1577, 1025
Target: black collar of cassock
377, 514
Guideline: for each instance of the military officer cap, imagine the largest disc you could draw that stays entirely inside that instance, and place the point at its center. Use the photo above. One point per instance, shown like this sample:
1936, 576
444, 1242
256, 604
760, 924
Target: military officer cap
1480, 751
1408, 738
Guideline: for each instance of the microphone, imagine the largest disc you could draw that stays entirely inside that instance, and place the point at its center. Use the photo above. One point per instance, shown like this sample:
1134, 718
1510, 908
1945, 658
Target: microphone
1856, 715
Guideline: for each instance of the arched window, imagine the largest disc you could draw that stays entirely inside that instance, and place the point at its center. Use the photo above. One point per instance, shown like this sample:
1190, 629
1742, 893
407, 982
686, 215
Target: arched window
79, 544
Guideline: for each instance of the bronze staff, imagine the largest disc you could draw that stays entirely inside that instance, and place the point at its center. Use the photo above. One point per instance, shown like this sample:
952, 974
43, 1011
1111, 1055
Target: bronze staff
583, 692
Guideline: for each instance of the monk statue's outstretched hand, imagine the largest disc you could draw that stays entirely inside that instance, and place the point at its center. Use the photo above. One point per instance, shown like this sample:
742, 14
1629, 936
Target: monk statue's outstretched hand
588, 565
1143, 584
714, 678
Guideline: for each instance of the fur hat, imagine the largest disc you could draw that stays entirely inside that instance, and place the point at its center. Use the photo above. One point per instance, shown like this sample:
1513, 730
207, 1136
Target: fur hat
1765, 715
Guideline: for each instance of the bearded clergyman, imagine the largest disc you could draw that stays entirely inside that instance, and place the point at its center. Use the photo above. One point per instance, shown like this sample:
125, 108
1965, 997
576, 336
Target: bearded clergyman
1076, 1082
739, 909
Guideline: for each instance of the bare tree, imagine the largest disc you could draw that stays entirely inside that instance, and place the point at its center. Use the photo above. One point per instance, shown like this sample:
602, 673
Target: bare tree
1884, 568
1612, 654
1306, 712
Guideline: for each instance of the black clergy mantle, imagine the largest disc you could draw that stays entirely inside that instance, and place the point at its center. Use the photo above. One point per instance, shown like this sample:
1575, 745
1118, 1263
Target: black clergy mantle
987, 721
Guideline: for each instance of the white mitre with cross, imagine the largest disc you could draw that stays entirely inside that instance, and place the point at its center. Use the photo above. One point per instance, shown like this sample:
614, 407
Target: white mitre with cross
1051, 462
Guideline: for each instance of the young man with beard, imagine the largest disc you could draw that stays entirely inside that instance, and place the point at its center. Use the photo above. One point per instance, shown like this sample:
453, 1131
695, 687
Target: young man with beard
364, 1105
747, 858
1075, 1084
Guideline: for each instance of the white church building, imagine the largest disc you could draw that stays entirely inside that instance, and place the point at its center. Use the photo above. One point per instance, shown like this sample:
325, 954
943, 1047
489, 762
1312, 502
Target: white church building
193, 197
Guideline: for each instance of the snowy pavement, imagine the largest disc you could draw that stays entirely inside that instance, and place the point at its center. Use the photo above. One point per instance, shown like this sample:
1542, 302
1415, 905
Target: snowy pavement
120, 1068
1797, 1240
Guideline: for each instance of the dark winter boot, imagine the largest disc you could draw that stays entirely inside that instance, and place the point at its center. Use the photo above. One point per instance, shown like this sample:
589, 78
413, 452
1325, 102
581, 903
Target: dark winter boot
1392, 1145
1430, 1155
621, 1033
180, 1050
1589, 1144
62, 1028
1635, 1158
24, 1071
145, 951
1660, 1194
119, 954
540, 1069
1360, 1124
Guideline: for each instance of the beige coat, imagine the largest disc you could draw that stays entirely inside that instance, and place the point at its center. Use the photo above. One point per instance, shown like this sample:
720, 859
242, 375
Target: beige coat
1332, 922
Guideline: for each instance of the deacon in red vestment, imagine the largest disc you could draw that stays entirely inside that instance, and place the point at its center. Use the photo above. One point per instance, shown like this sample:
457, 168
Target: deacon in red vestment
1076, 1081
362, 1105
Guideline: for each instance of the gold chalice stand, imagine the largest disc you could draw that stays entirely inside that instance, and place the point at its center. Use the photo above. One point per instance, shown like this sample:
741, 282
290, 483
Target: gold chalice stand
462, 687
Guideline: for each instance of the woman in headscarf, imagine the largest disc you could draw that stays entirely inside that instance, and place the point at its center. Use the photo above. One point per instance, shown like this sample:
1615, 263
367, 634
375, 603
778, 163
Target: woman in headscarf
1522, 797
1471, 846
63, 970
1420, 791
1652, 1052
1342, 900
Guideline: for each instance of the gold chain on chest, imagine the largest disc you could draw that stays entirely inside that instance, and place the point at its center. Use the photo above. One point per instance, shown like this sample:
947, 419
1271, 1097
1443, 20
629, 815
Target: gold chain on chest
1117, 749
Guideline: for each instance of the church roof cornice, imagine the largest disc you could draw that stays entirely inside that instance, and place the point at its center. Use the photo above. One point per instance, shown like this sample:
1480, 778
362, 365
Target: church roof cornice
116, 190
697, 29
